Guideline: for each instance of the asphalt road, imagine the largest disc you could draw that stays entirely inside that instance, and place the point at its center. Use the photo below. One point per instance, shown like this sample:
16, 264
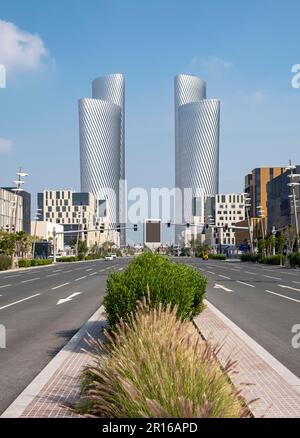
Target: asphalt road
264, 301
37, 327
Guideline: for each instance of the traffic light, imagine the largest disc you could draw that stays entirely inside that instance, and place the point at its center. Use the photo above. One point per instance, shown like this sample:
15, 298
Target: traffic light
102, 228
188, 225
169, 224
135, 227
119, 228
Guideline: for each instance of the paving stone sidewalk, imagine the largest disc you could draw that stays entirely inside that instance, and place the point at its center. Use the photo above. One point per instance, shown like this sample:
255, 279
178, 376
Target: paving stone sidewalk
59, 383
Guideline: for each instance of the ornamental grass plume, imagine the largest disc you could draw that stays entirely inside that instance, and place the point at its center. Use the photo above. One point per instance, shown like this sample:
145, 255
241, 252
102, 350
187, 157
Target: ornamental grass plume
157, 366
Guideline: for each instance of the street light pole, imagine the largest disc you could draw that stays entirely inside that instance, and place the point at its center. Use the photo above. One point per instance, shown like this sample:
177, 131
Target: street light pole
37, 216
292, 185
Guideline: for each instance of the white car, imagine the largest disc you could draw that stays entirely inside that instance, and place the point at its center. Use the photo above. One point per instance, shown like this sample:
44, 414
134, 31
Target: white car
109, 258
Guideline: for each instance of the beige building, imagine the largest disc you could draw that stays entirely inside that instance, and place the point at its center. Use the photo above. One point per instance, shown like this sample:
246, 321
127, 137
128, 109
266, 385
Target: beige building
222, 212
77, 212
44, 231
10, 218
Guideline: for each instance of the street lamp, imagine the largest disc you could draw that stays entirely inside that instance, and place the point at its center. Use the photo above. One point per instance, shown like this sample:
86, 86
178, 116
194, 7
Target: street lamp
247, 204
18, 189
293, 184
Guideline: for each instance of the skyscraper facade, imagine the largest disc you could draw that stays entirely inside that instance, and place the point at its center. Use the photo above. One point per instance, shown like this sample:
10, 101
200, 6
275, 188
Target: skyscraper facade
197, 121
102, 147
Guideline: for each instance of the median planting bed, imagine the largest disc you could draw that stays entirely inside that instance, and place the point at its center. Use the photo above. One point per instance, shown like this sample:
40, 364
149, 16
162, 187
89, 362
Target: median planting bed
154, 363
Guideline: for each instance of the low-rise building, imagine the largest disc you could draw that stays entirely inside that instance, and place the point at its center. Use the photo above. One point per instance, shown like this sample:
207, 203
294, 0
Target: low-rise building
26, 207
222, 212
11, 211
77, 212
280, 208
44, 230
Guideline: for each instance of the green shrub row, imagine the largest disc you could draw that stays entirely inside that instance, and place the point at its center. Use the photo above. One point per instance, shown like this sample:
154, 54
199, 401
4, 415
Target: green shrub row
26, 263
167, 282
5, 262
257, 258
217, 256
294, 259
67, 259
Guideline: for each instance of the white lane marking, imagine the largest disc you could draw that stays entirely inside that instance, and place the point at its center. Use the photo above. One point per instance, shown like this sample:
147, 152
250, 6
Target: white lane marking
94, 273
87, 270
70, 270
288, 287
6, 285
61, 285
64, 300
20, 301
273, 278
121, 269
57, 270
210, 272
233, 269
31, 279
296, 282
220, 286
80, 278
101, 270
249, 272
283, 296
51, 275
246, 284
224, 276
11, 276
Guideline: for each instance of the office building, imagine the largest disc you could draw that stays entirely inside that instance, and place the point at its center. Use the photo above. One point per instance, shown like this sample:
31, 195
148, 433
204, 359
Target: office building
26, 208
75, 211
197, 122
44, 230
11, 220
279, 202
102, 147
221, 212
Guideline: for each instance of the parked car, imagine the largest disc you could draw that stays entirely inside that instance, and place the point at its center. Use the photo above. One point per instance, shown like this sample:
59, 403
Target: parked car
109, 258
114, 256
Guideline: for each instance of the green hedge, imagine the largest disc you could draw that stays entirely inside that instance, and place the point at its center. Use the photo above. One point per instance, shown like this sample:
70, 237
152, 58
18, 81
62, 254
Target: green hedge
294, 259
5, 262
257, 258
168, 282
273, 260
217, 256
93, 257
26, 263
67, 259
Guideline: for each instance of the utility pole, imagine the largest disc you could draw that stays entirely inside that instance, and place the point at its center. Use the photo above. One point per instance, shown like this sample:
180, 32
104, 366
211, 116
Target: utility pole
54, 245
293, 184
247, 207
37, 216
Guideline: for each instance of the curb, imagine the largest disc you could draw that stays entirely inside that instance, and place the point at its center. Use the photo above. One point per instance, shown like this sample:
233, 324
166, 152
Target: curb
16, 409
290, 378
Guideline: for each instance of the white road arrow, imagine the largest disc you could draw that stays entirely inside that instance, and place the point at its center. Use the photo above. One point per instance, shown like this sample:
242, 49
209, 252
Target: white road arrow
289, 287
65, 300
220, 286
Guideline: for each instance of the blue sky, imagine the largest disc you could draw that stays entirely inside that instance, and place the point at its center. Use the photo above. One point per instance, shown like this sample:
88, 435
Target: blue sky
245, 51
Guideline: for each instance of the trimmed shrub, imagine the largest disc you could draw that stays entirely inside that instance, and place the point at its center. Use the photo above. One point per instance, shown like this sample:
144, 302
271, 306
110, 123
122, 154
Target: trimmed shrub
255, 258
24, 263
67, 259
93, 257
27, 263
294, 259
272, 260
5, 262
158, 367
168, 282
217, 256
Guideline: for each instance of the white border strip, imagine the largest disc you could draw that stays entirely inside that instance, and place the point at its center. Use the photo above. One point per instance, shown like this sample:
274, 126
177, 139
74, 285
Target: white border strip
16, 409
282, 370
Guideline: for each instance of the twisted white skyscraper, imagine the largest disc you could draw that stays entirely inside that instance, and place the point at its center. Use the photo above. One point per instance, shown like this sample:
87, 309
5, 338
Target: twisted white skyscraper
102, 146
197, 121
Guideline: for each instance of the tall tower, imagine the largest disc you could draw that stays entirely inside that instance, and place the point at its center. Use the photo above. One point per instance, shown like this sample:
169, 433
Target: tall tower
197, 122
102, 145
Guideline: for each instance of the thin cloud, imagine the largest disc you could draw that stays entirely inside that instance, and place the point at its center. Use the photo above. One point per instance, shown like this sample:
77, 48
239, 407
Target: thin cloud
21, 50
6, 146
209, 65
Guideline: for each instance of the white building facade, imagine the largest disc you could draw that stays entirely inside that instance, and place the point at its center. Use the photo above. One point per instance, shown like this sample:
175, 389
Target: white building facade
44, 230
197, 121
102, 146
11, 211
222, 212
